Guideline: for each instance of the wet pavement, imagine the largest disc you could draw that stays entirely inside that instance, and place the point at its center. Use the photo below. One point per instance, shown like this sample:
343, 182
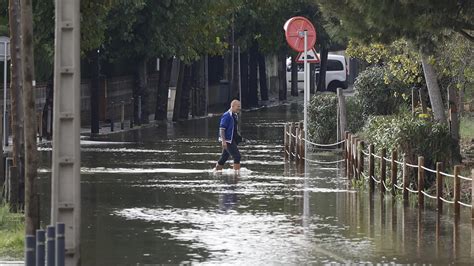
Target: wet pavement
149, 196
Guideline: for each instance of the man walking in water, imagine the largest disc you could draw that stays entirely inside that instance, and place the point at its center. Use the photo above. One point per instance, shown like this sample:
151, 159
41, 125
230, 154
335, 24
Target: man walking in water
229, 136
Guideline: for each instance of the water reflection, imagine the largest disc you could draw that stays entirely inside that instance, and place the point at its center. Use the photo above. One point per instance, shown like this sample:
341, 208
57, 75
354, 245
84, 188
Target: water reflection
228, 199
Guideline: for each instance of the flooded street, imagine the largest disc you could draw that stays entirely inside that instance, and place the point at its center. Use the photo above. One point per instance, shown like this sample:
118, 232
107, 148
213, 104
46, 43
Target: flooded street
149, 196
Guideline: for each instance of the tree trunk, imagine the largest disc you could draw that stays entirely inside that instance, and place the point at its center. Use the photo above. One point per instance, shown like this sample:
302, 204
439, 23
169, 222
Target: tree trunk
201, 87
143, 89
16, 94
253, 80
262, 76
236, 75
423, 100
453, 101
179, 89
94, 96
323, 69
161, 108
31, 158
185, 92
433, 89
282, 76
294, 76
244, 79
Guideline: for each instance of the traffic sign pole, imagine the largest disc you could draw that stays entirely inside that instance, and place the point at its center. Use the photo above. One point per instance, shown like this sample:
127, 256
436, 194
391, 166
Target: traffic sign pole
306, 90
305, 127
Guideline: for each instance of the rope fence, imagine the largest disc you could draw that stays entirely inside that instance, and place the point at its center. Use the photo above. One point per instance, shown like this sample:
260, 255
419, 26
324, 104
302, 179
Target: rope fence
324, 145
428, 195
362, 162
446, 201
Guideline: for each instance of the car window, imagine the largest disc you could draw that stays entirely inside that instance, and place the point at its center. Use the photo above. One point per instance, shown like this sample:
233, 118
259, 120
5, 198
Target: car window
335, 65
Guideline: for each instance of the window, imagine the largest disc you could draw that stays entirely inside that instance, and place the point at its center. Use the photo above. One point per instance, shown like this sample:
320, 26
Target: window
335, 65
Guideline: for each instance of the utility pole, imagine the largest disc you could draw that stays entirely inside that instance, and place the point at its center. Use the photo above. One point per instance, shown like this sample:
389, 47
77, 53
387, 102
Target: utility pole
65, 179
16, 91
31, 157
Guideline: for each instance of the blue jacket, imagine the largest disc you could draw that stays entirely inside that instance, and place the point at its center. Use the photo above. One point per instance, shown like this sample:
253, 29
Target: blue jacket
227, 123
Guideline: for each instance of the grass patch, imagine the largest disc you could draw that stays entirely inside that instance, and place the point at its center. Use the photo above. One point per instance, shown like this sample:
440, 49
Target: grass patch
12, 233
467, 128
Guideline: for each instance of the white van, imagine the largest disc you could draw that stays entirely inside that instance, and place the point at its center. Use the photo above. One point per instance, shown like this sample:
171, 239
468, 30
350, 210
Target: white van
336, 73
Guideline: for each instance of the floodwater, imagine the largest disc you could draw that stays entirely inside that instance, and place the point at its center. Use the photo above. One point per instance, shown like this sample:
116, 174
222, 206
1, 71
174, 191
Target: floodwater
149, 197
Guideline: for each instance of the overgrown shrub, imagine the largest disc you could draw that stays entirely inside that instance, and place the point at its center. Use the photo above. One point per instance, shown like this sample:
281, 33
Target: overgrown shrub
322, 118
322, 113
12, 233
376, 96
412, 137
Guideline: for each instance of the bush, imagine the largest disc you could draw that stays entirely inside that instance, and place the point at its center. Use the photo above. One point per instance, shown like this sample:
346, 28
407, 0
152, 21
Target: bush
322, 114
322, 118
375, 96
413, 137
12, 233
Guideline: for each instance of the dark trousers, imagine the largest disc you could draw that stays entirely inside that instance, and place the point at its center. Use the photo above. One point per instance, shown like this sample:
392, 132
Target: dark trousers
231, 150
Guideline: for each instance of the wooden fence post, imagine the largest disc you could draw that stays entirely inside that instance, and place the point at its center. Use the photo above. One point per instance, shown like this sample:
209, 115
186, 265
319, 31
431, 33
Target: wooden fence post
285, 138
405, 179
355, 165
472, 195
297, 146
421, 181
347, 145
371, 168
361, 159
346, 138
457, 189
302, 142
394, 171
342, 111
383, 170
439, 186
354, 156
349, 161
292, 141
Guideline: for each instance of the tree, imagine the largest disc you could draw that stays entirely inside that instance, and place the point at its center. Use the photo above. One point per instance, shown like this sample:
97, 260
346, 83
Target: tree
386, 21
31, 157
262, 22
16, 95
185, 29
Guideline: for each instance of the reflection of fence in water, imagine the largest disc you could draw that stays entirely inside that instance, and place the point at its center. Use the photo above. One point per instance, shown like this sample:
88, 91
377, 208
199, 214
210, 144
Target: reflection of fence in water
361, 165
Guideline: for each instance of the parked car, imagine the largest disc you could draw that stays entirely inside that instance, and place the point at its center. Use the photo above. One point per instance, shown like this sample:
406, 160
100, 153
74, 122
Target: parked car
336, 73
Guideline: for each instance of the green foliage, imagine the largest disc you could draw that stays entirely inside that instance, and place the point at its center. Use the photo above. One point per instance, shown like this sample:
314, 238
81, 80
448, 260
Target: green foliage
186, 29
11, 233
355, 114
455, 59
387, 21
412, 136
262, 22
467, 128
402, 62
322, 113
4, 18
376, 96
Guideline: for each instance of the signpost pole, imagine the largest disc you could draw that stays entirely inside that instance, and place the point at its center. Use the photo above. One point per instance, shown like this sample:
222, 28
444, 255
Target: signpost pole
306, 92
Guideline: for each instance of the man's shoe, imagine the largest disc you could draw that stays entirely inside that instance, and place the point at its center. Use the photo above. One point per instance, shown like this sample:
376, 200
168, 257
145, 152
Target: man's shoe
218, 167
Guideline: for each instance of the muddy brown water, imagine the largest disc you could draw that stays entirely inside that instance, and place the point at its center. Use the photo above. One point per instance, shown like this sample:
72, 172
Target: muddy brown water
149, 197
